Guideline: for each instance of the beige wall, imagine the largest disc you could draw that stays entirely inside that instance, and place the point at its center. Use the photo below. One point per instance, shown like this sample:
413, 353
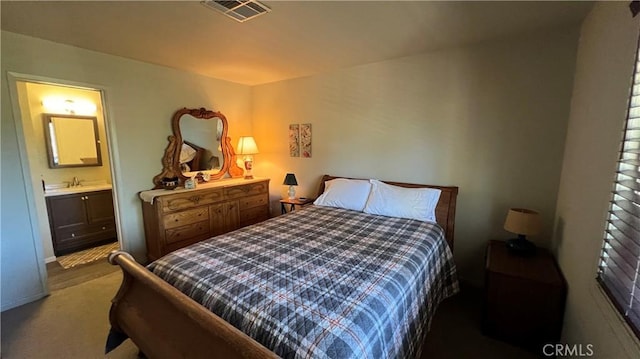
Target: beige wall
598, 108
489, 118
140, 101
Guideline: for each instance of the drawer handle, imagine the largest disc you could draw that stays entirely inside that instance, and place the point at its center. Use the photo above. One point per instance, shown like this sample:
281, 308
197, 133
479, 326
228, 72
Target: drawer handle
195, 199
104, 228
73, 234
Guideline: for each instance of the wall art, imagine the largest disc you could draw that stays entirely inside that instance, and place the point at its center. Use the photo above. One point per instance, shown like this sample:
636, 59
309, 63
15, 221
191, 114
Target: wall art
305, 139
294, 140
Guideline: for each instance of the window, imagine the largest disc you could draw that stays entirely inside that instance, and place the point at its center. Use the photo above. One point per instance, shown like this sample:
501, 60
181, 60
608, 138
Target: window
618, 272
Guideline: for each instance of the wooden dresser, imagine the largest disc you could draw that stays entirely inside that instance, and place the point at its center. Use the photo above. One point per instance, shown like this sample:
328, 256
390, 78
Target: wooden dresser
178, 218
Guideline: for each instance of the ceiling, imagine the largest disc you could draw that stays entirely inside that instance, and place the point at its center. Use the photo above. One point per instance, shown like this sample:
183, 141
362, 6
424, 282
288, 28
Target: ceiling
297, 38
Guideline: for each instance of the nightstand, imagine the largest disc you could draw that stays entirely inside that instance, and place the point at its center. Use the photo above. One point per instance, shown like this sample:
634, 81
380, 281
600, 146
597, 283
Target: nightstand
524, 297
293, 203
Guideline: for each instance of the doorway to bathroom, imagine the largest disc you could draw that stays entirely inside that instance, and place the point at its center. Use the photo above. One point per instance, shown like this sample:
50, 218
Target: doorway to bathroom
67, 149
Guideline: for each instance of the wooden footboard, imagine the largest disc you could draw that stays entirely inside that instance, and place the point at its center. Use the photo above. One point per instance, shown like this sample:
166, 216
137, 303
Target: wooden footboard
165, 323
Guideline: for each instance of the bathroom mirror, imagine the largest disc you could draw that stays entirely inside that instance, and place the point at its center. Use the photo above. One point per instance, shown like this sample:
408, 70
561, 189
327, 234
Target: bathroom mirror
199, 144
72, 141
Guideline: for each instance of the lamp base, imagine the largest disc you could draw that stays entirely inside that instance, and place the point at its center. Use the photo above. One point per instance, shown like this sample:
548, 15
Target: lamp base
248, 165
521, 247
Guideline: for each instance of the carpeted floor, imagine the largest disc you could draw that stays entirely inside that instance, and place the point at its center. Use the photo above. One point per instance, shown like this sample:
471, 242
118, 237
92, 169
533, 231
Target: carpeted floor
73, 323
456, 332
70, 323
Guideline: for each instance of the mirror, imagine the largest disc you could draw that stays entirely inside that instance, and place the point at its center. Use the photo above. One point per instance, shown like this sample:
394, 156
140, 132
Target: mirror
201, 149
199, 144
72, 141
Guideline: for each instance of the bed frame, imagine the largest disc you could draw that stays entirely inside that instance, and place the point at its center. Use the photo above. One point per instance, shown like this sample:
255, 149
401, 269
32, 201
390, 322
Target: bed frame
165, 323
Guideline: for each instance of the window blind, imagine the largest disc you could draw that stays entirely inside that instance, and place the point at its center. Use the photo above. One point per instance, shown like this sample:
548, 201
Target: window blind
619, 268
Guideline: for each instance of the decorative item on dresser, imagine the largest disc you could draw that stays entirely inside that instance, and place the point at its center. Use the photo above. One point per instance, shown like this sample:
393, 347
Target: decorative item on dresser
178, 218
524, 297
522, 222
207, 130
247, 147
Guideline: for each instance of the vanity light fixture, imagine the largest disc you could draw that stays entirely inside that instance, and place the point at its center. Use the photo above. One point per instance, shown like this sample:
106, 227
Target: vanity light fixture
59, 105
239, 10
247, 147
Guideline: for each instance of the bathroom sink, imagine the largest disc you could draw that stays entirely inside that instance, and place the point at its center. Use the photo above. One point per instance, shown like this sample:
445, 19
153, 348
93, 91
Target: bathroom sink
76, 189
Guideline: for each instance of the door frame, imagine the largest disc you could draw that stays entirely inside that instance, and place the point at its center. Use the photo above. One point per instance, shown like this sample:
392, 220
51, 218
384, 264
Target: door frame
32, 186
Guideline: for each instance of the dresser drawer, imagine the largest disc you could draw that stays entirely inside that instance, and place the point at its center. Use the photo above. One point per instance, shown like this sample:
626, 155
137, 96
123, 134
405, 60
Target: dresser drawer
254, 201
246, 190
177, 219
193, 230
191, 199
103, 231
182, 218
73, 239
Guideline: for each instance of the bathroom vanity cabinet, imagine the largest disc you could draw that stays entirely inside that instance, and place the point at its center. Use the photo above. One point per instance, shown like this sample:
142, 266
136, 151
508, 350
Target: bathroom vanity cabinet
81, 220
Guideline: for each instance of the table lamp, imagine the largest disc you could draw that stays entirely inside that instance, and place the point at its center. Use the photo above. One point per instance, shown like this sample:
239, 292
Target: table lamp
522, 222
290, 180
247, 147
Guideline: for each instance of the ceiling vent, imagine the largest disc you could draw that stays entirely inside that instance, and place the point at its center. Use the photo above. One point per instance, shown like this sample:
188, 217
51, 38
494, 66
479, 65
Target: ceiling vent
239, 10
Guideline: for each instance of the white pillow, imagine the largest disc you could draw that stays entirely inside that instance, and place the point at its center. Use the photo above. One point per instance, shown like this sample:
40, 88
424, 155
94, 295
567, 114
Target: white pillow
187, 153
345, 193
394, 201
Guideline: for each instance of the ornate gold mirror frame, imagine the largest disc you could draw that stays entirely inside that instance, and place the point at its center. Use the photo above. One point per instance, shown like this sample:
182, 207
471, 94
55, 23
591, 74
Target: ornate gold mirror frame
171, 171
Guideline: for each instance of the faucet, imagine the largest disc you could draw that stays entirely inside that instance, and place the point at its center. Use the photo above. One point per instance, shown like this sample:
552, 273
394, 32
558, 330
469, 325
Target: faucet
75, 182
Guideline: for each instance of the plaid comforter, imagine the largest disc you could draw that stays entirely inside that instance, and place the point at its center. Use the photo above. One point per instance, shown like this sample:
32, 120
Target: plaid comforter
322, 282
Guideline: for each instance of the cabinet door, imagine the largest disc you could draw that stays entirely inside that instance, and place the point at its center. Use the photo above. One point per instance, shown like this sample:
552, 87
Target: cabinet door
232, 216
67, 211
224, 217
99, 207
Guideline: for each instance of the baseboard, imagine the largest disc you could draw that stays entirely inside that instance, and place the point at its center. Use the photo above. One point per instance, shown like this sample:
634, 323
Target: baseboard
23, 301
50, 259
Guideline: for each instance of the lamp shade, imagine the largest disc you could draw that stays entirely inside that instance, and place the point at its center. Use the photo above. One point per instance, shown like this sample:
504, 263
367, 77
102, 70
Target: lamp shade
247, 146
290, 180
522, 221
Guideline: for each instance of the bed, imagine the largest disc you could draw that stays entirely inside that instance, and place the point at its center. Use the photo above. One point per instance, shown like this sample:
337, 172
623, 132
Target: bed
319, 282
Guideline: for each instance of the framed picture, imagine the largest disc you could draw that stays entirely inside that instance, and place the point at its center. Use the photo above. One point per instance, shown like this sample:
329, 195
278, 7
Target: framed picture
294, 140
305, 139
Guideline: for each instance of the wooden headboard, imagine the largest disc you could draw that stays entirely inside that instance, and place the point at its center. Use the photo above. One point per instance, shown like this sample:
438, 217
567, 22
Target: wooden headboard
445, 210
